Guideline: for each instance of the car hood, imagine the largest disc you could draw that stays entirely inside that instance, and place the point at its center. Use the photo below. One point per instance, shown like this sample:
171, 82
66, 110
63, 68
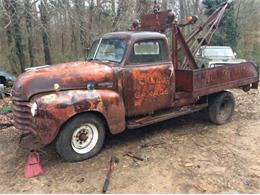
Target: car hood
220, 58
226, 61
74, 75
7, 75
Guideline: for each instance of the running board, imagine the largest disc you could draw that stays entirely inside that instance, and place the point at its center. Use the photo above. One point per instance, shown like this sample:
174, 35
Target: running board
148, 120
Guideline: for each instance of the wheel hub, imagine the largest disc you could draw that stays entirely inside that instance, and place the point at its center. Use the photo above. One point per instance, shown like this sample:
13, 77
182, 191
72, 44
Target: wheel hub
84, 138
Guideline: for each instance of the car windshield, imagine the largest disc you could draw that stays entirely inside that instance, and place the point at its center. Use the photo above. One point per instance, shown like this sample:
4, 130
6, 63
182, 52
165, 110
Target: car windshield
218, 52
112, 50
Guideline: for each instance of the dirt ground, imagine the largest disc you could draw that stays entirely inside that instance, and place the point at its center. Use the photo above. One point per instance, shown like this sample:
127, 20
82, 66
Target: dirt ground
193, 156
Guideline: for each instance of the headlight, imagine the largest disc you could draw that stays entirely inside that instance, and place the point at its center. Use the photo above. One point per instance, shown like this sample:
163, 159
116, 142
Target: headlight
34, 108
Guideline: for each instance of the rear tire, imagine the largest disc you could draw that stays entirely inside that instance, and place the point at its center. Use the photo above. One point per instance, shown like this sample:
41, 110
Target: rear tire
81, 138
221, 107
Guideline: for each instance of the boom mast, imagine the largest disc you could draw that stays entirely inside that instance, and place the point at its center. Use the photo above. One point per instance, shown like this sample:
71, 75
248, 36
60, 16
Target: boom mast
161, 21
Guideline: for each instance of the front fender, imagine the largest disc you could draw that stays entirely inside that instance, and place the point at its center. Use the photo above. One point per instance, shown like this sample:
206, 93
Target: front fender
56, 108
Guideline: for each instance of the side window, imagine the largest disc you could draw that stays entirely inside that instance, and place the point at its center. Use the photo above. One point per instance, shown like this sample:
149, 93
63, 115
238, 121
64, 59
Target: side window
148, 52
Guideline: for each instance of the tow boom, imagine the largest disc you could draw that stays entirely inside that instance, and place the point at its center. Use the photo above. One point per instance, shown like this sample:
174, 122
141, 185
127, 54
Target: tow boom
161, 21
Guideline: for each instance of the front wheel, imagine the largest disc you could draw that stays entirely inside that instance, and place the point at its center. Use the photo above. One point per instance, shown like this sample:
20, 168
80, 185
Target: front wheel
81, 138
221, 107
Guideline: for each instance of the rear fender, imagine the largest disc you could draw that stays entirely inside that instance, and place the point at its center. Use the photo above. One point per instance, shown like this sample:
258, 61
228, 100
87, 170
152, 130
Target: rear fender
56, 108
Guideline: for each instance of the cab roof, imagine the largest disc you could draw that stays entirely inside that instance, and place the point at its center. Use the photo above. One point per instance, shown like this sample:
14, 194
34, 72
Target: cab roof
135, 35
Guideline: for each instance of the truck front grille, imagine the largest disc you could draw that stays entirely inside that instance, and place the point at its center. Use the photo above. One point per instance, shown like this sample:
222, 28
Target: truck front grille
23, 119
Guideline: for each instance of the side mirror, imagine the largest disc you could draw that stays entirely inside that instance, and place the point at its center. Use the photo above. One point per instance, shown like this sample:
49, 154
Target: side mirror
235, 54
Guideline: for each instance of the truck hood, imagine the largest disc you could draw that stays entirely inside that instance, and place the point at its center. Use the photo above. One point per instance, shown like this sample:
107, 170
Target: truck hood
74, 75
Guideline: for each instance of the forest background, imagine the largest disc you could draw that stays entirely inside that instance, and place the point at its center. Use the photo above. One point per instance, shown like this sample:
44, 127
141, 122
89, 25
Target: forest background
38, 32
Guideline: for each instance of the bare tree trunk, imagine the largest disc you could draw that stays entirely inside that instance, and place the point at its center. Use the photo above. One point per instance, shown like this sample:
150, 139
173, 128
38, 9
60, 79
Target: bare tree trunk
73, 39
17, 34
62, 23
164, 4
45, 37
142, 7
238, 11
80, 5
73, 43
120, 9
10, 54
28, 18
196, 7
182, 10
113, 7
90, 23
15, 31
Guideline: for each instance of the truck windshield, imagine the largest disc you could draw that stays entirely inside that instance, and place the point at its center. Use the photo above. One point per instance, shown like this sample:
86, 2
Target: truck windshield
112, 50
218, 52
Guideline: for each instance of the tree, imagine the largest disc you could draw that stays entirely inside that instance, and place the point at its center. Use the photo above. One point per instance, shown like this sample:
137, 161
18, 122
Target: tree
80, 7
122, 8
247, 20
142, 7
37, 32
29, 20
10, 48
228, 33
45, 36
15, 32
164, 4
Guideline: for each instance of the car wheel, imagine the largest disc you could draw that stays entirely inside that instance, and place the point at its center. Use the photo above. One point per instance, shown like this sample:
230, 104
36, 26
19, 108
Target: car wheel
81, 138
221, 107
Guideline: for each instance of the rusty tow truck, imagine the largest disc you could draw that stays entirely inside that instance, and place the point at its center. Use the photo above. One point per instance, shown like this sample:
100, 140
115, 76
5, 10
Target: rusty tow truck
129, 80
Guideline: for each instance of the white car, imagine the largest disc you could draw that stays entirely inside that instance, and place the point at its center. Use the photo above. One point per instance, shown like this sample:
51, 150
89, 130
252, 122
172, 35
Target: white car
213, 56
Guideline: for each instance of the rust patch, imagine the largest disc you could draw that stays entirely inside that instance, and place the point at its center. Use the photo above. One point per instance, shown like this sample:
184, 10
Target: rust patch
155, 85
148, 88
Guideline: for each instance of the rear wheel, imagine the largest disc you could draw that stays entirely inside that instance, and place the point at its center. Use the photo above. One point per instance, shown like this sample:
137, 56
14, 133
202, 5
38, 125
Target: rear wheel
221, 107
81, 138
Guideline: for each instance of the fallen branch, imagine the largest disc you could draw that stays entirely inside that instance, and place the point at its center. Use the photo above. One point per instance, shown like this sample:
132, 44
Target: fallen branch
200, 188
196, 143
112, 163
133, 156
152, 145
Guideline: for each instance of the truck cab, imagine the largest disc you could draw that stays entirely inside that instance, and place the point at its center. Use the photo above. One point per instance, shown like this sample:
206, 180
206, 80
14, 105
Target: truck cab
144, 71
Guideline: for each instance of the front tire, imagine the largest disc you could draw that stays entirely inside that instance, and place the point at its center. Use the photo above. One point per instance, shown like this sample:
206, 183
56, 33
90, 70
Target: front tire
221, 107
81, 138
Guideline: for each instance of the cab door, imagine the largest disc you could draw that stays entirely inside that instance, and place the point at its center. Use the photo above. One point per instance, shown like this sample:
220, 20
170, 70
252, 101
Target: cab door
148, 83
